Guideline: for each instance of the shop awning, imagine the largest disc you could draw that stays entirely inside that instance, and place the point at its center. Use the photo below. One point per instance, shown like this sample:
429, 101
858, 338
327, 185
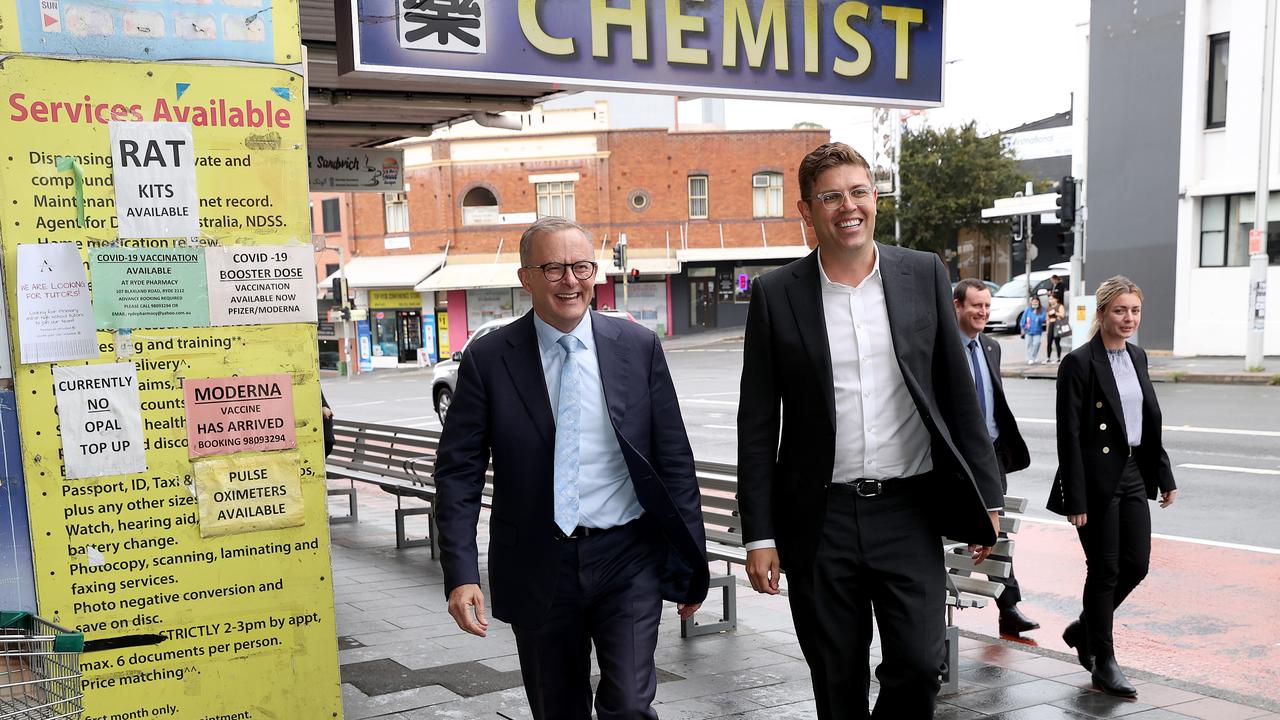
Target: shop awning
470, 276
779, 252
387, 271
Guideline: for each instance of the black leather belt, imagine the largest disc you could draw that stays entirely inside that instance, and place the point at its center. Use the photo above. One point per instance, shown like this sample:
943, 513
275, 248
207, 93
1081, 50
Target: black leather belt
582, 531
869, 488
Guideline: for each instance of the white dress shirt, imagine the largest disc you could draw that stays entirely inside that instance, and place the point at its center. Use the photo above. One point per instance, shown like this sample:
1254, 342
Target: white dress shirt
606, 495
879, 433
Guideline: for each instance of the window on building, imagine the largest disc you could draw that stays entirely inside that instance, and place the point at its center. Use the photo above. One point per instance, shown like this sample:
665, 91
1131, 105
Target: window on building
479, 207
555, 198
396, 206
331, 220
1219, 48
766, 195
698, 204
744, 278
1225, 222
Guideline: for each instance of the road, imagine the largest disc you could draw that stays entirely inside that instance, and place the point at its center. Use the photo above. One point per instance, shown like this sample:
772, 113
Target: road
1223, 441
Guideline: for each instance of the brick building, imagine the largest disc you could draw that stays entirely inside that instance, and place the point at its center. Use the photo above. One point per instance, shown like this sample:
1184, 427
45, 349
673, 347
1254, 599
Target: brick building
703, 213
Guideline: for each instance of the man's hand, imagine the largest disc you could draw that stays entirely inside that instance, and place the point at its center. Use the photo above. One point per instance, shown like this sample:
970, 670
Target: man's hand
1167, 497
764, 569
1078, 520
982, 552
326, 412
466, 606
686, 610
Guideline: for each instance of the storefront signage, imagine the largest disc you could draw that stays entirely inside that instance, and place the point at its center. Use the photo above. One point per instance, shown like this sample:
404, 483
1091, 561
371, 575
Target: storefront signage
873, 53
355, 170
395, 298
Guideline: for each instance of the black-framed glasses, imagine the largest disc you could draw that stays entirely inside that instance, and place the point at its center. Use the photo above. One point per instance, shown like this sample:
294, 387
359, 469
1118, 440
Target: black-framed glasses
835, 198
554, 271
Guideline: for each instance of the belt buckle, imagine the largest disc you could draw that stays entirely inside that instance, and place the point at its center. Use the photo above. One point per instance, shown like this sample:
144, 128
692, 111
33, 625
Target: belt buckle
868, 488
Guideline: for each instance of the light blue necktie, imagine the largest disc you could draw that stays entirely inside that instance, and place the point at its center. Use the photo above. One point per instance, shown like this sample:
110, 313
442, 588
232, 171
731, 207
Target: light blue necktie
567, 440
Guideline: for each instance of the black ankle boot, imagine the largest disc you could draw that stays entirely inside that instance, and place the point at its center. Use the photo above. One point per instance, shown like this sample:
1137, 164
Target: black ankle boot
1075, 637
1013, 622
1108, 678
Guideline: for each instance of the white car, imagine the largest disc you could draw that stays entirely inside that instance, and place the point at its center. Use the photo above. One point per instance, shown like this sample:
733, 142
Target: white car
444, 376
1010, 300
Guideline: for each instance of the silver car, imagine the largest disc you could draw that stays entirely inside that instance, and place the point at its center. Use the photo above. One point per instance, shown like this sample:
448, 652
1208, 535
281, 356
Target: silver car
444, 376
1010, 300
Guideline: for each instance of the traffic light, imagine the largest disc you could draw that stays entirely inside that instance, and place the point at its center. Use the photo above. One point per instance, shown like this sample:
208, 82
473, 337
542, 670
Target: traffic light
1015, 228
1019, 252
620, 256
1017, 233
1067, 204
1066, 243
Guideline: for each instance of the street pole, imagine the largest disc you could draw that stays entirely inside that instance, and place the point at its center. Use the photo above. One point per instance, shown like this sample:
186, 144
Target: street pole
1028, 242
347, 332
626, 304
1257, 317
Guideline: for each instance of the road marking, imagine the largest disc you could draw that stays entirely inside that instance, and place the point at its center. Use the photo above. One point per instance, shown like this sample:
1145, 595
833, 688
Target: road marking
1175, 538
371, 402
721, 427
1176, 428
394, 421
1229, 468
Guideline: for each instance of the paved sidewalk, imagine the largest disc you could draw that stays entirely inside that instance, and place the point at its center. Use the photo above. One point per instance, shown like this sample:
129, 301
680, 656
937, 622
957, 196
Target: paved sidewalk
403, 658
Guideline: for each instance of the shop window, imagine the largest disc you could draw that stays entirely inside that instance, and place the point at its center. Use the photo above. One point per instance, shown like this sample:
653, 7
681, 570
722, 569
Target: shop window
698, 201
396, 207
555, 198
1216, 104
479, 207
1225, 222
766, 195
331, 215
744, 278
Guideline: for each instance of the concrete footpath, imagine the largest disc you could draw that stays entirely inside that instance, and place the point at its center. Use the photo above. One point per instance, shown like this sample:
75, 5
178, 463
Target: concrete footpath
403, 657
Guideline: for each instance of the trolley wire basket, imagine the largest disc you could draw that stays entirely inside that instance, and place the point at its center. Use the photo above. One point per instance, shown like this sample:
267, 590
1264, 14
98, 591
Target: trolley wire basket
39, 669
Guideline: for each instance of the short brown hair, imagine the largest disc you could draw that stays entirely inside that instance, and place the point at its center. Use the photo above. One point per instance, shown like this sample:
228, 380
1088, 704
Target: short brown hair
827, 156
1107, 292
962, 288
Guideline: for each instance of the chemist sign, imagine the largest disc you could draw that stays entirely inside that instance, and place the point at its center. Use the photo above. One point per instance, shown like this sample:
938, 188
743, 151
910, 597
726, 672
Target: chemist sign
245, 493
154, 173
100, 418
261, 284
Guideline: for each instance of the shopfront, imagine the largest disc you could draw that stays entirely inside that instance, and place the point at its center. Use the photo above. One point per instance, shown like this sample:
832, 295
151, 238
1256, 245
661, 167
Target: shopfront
713, 289
395, 326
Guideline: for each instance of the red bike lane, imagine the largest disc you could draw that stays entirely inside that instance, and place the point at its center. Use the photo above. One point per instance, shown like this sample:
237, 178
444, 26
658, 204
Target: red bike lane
1205, 614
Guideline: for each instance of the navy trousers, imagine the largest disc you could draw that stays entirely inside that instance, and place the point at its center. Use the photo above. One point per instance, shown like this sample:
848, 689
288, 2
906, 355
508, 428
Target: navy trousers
606, 596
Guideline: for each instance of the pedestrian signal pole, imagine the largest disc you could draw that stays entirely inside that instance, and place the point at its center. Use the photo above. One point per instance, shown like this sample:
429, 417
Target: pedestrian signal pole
1257, 310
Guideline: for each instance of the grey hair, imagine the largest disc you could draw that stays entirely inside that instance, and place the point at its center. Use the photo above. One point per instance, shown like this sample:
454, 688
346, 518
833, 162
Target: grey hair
546, 224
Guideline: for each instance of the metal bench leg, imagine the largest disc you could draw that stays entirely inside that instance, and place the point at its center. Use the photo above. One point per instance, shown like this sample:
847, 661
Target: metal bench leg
402, 539
353, 512
729, 616
435, 534
951, 678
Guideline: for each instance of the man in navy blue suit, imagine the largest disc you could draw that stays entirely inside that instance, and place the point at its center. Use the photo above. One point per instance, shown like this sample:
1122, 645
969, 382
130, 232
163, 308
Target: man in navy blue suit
596, 513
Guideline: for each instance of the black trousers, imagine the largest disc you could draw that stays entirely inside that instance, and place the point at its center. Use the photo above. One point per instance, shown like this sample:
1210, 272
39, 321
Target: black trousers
607, 596
875, 553
1012, 593
1117, 550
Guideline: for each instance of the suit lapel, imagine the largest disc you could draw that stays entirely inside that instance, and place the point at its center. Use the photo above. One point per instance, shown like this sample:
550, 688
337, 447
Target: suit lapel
991, 351
804, 293
899, 299
524, 364
1106, 378
614, 366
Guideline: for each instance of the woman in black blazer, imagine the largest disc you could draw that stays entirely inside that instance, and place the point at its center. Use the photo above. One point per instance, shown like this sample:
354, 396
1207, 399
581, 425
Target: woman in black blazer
1110, 462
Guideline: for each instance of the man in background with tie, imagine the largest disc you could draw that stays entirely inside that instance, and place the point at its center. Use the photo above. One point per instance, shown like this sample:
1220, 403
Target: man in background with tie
596, 512
973, 306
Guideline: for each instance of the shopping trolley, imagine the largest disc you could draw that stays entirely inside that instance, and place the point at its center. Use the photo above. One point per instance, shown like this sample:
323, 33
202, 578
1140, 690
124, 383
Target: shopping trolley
39, 669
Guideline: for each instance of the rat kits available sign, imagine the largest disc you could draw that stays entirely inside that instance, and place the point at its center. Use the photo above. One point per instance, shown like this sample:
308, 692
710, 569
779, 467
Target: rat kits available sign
155, 179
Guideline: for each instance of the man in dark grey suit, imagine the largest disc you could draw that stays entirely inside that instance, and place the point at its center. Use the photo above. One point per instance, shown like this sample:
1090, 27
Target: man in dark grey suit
851, 355
972, 300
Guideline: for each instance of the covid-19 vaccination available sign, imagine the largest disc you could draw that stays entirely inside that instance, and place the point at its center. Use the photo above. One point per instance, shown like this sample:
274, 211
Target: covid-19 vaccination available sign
870, 53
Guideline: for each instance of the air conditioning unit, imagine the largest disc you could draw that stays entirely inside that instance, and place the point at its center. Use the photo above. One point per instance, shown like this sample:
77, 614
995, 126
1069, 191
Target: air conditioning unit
760, 181
396, 197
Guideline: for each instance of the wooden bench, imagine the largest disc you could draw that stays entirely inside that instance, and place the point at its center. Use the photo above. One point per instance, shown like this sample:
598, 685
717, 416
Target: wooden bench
387, 456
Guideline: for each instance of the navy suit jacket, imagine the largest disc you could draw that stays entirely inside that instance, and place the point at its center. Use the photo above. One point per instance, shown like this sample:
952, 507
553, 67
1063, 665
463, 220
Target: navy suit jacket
501, 409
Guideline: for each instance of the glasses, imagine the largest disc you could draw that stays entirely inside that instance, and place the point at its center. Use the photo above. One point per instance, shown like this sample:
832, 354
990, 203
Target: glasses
835, 198
554, 271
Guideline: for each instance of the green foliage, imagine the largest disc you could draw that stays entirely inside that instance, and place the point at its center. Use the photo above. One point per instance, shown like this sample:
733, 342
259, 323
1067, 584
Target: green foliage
948, 176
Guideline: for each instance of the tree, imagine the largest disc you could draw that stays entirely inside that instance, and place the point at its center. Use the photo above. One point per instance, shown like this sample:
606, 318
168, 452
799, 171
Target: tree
948, 176
807, 125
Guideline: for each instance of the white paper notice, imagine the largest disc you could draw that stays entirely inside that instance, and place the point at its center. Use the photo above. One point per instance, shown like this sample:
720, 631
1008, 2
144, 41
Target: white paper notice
154, 170
100, 418
261, 284
55, 315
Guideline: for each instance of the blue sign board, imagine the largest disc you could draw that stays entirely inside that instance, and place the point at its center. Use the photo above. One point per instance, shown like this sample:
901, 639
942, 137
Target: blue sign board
17, 579
870, 53
364, 339
429, 336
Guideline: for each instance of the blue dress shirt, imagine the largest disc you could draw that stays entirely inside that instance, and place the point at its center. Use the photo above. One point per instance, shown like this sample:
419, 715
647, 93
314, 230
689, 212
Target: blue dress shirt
988, 386
606, 495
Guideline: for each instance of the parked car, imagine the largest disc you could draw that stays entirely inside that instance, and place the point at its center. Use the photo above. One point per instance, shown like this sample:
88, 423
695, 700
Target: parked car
444, 376
1010, 300
619, 314
990, 285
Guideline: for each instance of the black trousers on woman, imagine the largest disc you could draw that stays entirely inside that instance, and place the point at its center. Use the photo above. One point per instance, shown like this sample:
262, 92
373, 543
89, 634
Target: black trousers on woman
1117, 550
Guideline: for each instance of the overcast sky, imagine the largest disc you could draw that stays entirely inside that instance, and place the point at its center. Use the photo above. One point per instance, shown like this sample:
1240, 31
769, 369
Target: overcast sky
1005, 67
